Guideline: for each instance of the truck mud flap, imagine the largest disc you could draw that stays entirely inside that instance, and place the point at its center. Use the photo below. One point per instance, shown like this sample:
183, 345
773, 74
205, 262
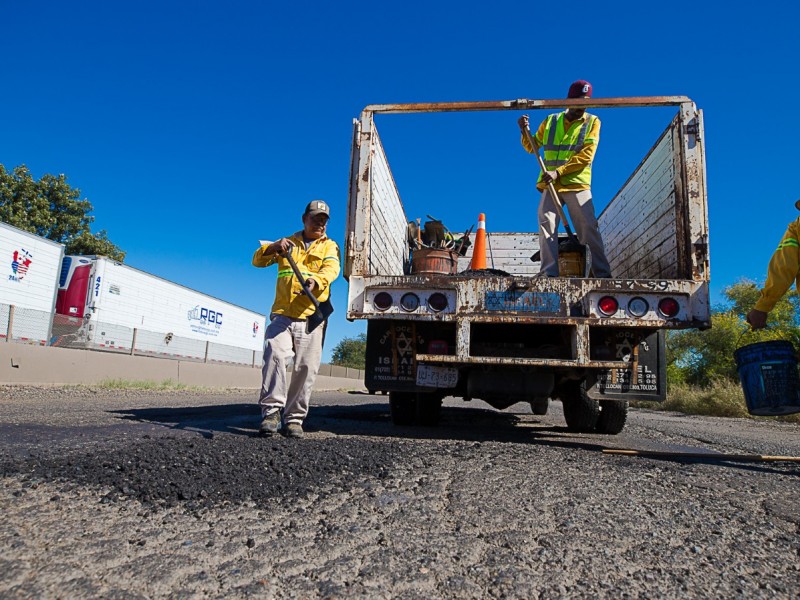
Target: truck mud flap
646, 380
392, 348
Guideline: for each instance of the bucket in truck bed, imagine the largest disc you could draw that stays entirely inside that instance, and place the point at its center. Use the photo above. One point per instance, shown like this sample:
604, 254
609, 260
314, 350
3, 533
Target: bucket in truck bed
573, 259
434, 260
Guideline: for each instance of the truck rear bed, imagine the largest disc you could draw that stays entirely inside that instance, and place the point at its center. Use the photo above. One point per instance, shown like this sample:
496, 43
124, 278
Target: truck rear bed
656, 237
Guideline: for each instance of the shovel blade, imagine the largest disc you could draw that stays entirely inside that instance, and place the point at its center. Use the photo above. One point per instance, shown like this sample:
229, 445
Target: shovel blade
320, 316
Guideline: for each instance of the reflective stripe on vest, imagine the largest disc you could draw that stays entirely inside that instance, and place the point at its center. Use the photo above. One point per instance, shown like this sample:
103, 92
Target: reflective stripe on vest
556, 155
290, 273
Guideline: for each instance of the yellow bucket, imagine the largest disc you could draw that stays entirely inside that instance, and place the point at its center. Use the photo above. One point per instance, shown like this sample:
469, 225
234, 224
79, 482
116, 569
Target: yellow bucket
572, 263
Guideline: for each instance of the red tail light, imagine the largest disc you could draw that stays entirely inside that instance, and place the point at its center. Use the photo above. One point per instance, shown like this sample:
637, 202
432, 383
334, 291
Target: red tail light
608, 305
437, 347
669, 307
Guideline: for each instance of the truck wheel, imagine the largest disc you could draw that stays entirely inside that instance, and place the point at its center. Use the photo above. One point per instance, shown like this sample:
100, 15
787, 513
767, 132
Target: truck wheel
539, 406
429, 409
580, 411
613, 414
402, 407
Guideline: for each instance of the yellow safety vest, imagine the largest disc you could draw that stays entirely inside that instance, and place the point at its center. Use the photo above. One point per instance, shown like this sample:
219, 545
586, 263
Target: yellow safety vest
560, 146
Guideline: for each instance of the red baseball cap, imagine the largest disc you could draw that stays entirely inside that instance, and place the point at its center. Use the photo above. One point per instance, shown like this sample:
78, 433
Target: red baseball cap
580, 89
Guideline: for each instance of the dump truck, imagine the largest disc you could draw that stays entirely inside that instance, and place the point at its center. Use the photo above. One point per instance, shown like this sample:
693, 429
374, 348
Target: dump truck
504, 335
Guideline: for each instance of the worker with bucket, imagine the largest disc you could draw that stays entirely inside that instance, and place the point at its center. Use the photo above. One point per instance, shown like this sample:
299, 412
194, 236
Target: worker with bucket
570, 141
308, 263
768, 370
783, 269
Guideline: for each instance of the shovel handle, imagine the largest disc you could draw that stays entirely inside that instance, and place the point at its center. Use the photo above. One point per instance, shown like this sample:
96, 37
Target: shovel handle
302, 281
551, 188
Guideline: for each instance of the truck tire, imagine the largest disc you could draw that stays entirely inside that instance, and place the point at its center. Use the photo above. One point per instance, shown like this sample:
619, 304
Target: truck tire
580, 411
539, 406
429, 409
613, 414
402, 407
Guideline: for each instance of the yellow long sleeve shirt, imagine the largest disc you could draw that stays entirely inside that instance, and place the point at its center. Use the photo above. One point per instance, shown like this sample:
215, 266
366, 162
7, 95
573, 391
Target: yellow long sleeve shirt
320, 262
580, 160
784, 268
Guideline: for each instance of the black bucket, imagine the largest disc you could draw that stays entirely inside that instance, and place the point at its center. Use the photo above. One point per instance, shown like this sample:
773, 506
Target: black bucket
768, 372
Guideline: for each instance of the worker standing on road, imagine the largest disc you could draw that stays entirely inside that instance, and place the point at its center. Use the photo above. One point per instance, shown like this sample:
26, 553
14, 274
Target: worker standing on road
783, 269
570, 141
317, 257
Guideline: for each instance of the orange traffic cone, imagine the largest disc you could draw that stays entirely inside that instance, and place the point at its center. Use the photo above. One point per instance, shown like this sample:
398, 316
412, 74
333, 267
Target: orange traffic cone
479, 249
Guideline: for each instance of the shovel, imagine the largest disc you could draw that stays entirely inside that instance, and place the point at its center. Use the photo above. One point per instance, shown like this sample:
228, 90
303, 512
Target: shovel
572, 244
323, 309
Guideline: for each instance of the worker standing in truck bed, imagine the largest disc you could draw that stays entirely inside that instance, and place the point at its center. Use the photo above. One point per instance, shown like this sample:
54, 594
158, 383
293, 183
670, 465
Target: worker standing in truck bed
570, 141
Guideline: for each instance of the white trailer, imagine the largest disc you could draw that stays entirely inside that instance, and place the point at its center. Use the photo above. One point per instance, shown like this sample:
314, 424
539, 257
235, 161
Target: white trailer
29, 272
106, 305
504, 335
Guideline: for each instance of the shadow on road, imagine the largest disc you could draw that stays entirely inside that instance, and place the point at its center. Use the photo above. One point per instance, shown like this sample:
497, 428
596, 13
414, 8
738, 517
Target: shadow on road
238, 419
373, 420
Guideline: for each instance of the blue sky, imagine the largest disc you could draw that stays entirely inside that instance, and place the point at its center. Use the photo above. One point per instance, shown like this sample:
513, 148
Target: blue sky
197, 128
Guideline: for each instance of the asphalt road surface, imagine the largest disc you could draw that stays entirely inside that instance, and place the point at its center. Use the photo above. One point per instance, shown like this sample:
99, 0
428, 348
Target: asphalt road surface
138, 494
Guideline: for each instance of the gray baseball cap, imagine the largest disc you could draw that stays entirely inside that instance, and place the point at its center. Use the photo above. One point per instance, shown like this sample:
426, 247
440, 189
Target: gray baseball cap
318, 207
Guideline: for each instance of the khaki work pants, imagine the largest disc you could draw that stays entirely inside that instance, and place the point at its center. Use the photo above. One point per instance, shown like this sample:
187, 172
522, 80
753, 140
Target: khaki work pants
581, 212
287, 338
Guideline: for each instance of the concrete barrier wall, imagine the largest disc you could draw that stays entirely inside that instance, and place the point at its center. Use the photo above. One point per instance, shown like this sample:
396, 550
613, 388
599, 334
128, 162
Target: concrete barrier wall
38, 365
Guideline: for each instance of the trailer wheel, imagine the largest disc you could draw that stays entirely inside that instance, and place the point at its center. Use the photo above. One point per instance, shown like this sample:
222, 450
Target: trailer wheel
402, 407
580, 411
539, 406
613, 414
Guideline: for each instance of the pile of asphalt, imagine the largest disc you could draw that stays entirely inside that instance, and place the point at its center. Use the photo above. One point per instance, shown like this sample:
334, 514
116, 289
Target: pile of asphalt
203, 473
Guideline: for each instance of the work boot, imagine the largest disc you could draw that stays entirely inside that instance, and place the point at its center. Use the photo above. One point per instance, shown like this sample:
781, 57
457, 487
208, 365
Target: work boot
270, 424
294, 430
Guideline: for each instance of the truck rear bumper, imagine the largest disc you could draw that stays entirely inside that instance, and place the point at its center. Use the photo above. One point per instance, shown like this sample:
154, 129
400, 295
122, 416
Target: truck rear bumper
521, 362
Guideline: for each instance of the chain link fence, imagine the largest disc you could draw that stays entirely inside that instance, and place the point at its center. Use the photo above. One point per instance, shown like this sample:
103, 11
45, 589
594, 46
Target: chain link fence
22, 325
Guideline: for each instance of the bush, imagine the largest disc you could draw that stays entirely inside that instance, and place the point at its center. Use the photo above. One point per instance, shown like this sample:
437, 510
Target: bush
701, 357
720, 398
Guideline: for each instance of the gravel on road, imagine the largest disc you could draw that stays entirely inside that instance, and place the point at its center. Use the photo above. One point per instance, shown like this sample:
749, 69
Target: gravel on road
140, 494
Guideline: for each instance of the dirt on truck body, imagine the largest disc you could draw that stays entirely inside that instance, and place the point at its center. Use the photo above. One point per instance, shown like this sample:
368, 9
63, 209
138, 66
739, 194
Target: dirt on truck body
503, 334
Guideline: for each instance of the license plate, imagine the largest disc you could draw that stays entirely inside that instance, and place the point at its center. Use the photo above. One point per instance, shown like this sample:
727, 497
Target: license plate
439, 377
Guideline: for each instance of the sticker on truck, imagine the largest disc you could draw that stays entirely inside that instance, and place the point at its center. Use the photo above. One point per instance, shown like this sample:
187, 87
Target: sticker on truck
519, 301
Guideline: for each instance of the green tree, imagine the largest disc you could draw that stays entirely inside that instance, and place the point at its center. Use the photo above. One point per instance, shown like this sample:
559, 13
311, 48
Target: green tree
351, 352
52, 209
700, 357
